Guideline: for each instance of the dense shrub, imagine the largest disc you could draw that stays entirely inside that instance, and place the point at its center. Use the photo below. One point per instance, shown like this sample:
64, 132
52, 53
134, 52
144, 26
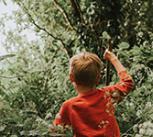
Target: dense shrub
34, 82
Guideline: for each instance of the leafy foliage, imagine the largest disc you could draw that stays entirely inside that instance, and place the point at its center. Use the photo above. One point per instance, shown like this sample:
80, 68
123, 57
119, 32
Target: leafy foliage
34, 81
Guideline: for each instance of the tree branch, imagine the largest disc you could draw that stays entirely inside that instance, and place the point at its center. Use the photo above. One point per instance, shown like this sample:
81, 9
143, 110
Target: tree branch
8, 77
65, 49
64, 14
108, 65
77, 10
6, 56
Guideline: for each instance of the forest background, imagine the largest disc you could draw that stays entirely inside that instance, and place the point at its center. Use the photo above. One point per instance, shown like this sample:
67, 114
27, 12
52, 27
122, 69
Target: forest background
34, 73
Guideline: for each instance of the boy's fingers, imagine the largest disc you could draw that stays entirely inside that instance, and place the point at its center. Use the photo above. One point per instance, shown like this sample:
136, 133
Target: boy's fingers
107, 54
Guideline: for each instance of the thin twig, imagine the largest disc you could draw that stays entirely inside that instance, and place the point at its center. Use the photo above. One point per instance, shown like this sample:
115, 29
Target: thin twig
126, 132
6, 56
64, 14
9, 77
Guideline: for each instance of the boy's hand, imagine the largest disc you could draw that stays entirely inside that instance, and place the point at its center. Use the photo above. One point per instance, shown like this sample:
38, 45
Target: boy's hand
108, 55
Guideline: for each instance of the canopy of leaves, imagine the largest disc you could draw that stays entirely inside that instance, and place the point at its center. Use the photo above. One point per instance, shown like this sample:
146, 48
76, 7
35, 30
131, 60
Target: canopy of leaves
34, 75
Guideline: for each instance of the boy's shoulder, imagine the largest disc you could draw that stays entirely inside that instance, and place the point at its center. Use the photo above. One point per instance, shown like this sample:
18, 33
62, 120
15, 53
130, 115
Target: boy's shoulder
70, 101
97, 92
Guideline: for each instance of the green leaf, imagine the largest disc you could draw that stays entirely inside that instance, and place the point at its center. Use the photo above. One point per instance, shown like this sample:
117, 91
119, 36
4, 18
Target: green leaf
123, 45
105, 35
2, 128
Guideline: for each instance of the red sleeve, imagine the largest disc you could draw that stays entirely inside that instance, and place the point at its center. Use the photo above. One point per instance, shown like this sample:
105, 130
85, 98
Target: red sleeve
62, 116
124, 86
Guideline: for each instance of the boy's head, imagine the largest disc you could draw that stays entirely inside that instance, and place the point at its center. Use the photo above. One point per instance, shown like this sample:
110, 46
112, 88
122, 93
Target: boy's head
85, 69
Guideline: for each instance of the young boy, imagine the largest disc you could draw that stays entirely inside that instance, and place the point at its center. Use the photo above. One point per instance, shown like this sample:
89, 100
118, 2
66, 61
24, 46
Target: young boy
91, 113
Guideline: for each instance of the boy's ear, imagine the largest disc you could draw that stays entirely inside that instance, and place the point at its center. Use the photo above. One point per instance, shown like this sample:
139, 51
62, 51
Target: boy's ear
71, 77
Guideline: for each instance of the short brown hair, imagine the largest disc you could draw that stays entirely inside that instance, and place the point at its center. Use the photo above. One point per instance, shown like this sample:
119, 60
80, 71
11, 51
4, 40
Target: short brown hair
86, 68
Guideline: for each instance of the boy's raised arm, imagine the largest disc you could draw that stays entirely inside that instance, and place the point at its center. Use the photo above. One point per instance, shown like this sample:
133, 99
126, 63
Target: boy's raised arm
123, 87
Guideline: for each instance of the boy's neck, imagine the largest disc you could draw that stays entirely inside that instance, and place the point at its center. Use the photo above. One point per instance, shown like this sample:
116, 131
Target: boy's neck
83, 89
